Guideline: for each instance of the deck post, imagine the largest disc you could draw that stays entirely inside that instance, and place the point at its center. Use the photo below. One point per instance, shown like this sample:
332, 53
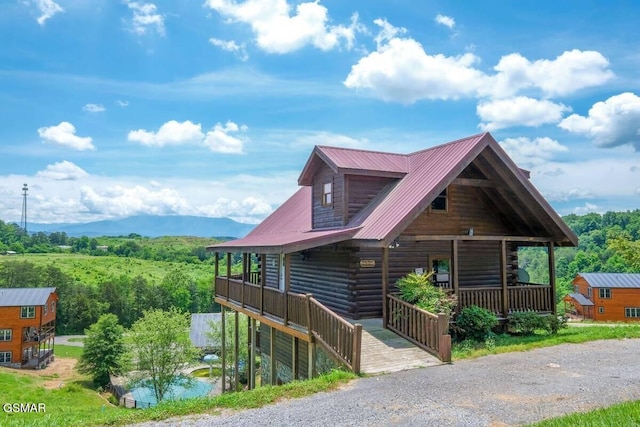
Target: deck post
357, 348
236, 351
311, 357
309, 324
263, 280
228, 273
454, 269
287, 286
444, 339
385, 285
503, 278
216, 268
222, 339
552, 277
294, 357
244, 277
272, 353
252, 353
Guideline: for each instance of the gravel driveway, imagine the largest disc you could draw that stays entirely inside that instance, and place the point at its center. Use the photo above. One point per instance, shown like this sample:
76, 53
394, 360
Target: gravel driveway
498, 390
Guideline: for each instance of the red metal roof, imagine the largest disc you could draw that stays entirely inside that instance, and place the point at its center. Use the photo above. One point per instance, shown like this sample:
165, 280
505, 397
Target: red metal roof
422, 176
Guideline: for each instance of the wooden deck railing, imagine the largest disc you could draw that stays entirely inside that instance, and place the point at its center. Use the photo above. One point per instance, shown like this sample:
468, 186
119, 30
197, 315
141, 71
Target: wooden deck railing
520, 298
426, 330
337, 336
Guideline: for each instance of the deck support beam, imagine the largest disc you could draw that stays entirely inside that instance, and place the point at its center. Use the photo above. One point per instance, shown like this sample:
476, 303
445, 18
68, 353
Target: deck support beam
272, 354
224, 355
252, 353
236, 351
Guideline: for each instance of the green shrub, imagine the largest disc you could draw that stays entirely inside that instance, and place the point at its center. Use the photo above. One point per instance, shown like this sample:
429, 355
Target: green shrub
525, 322
555, 323
475, 323
417, 289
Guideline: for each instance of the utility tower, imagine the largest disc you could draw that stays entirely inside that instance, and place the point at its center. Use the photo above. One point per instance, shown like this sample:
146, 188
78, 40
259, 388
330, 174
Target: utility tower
23, 219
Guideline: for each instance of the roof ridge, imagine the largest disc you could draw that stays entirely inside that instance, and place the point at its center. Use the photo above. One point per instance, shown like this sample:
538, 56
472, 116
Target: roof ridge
459, 140
362, 151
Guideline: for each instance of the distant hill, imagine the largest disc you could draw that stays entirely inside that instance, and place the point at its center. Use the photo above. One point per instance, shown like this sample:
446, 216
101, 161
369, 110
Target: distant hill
151, 226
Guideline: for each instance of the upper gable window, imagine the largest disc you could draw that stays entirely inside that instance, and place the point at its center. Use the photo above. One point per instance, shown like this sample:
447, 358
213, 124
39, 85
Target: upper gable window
327, 194
439, 204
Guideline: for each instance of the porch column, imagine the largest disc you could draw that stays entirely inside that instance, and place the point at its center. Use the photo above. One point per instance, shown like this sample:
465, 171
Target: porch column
385, 284
224, 353
263, 280
287, 286
552, 276
244, 277
454, 267
228, 273
503, 278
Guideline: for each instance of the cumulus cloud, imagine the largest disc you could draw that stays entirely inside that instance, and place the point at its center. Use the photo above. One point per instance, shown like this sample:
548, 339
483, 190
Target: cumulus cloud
64, 134
518, 111
62, 171
278, 30
231, 46
245, 210
93, 108
126, 201
46, 8
528, 153
170, 133
220, 140
401, 70
566, 74
587, 208
122, 103
330, 138
609, 123
447, 21
145, 18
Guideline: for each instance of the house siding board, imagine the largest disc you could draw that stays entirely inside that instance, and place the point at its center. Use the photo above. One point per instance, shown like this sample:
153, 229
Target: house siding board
328, 216
361, 190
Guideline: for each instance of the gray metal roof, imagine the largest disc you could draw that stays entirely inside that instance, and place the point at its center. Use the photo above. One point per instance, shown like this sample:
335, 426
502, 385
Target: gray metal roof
200, 327
18, 297
581, 299
612, 280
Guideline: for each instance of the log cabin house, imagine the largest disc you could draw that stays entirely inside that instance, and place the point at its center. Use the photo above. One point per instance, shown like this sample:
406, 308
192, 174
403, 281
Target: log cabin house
330, 255
605, 296
27, 327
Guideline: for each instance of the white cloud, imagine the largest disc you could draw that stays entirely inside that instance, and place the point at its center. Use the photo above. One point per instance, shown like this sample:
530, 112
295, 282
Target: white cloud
145, 18
47, 9
170, 133
330, 138
64, 134
245, 210
518, 111
220, 140
568, 73
587, 208
277, 30
62, 171
446, 21
400, 70
118, 201
231, 46
122, 103
610, 123
93, 108
528, 153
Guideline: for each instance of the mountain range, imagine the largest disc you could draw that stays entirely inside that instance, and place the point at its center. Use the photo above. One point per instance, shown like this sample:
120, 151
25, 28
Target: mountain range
150, 226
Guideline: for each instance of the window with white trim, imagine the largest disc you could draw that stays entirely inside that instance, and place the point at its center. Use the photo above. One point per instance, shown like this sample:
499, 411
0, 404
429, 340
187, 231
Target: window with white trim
44, 311
604, 292
28, 312
589, 291
601, 310
5, 334
53, 306
632, 312
5, 357
327, 194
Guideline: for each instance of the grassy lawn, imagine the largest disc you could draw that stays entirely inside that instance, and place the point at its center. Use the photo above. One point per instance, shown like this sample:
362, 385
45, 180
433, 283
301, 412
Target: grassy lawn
506, 343
621, 415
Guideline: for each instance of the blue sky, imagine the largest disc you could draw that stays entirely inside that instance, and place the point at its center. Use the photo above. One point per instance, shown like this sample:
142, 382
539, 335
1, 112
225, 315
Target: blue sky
112, 108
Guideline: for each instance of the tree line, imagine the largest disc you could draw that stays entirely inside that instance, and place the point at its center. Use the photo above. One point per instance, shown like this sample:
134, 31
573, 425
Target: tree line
80, 305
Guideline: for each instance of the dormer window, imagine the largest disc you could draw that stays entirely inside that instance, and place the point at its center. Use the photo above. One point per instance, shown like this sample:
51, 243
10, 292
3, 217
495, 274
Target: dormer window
327, 194
439, 204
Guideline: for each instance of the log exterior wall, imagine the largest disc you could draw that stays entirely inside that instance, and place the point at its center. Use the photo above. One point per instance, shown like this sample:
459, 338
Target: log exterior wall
332, 215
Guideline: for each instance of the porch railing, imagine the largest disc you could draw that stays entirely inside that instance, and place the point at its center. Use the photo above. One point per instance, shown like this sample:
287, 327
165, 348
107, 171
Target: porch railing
538, 298
337, 336
426, 330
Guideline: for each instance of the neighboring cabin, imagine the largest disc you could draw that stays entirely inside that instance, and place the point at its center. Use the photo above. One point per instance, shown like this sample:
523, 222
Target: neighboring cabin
27, 326
363, 219
606, 296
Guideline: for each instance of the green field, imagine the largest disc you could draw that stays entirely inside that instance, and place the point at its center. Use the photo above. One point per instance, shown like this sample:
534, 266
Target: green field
92, 270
